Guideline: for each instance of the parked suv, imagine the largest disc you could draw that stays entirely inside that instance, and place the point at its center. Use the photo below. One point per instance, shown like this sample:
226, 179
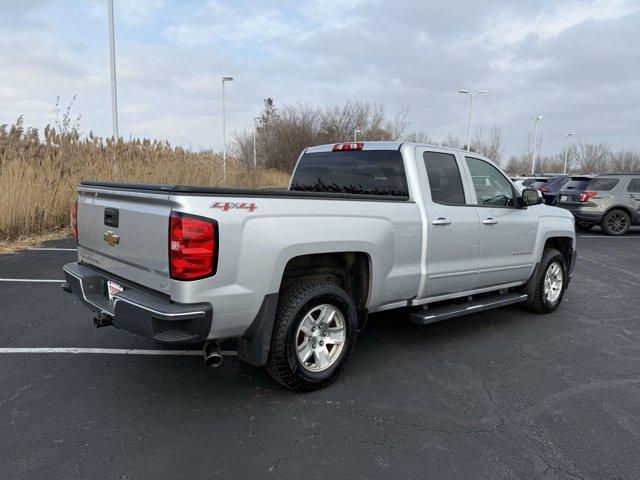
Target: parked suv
610, 200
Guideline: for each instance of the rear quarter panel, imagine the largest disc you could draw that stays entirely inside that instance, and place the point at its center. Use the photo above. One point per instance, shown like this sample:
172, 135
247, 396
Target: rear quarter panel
256, 246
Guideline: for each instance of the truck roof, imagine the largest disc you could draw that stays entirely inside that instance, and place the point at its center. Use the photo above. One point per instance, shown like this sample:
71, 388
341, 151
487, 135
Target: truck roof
384, 145
327, 147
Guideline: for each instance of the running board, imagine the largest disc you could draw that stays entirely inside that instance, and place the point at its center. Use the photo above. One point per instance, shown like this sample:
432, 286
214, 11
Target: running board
457, 310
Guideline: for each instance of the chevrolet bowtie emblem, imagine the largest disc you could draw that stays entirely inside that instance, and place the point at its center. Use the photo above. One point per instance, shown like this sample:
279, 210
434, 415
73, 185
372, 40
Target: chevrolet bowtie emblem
111, 238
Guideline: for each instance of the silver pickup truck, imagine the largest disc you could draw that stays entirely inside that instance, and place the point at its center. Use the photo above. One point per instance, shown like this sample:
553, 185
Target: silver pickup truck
292, 274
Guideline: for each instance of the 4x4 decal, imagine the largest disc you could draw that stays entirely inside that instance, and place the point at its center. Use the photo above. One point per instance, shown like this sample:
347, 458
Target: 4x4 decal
226, 206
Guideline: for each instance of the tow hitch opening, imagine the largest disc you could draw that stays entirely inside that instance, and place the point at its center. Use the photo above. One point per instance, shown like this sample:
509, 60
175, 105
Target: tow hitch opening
102, 320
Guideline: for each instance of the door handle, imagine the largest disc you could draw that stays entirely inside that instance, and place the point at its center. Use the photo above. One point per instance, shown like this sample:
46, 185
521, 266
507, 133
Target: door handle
489, 221
442, 221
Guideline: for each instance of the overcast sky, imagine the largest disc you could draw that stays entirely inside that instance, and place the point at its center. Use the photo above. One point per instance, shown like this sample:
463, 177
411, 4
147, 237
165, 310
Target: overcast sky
577, 63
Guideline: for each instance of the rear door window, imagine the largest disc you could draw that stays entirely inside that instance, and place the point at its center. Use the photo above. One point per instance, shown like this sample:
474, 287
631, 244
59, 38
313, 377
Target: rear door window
444, 178
603, 184
369, 172
634, 185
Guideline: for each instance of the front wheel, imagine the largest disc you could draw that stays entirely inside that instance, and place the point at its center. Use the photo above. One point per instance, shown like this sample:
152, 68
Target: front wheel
314, 334
547, 286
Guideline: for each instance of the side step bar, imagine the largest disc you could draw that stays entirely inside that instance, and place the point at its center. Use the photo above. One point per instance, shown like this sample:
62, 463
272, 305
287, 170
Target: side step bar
457, 310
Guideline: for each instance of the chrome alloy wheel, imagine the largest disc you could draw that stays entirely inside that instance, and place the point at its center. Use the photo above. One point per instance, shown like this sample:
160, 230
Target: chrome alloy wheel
320, 337
617, 222
553, 282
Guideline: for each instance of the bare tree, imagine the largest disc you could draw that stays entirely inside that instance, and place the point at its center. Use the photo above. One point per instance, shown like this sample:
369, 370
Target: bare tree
491, 148
593, 157
627, 161
518, 165
282, 133
450, 140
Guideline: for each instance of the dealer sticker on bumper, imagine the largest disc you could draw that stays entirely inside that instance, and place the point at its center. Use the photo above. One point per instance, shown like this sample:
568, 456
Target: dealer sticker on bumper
113, 288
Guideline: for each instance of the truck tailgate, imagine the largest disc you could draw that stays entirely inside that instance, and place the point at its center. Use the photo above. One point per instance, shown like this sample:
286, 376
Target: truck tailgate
125, 232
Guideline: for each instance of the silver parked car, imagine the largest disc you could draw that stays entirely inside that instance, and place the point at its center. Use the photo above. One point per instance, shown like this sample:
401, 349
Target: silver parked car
611, 201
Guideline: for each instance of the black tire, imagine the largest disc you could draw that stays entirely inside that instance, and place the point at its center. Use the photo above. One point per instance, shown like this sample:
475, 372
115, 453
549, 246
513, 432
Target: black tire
584, 227
615, 222
537, 301
283, 363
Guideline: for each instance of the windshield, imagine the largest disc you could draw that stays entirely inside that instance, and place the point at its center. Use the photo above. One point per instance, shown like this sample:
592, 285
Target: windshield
371, 172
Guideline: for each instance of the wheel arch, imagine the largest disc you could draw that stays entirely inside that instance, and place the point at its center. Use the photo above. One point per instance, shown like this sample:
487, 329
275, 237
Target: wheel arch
564, 245
624, 208
350, 270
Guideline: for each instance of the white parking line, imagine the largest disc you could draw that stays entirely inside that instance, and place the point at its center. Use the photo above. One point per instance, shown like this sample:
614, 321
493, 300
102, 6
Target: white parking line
607, 236
112, 351
37, 280
52, 249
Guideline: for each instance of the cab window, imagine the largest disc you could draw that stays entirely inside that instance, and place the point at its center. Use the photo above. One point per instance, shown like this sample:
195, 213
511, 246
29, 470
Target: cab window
444, 178
492, 187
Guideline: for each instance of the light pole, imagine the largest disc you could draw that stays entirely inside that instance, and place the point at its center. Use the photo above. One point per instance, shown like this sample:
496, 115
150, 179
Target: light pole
224, 128
566, 150
112, 58
471, 94
255, 130
535, 142
355, 134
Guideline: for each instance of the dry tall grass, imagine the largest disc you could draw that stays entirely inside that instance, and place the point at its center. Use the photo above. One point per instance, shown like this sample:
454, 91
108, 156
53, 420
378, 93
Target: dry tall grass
38, 175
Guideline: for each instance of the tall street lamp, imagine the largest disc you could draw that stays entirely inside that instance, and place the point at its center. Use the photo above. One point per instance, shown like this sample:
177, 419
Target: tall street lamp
535, 142
471, 95
255, 131
566, 149
112, 58
355, 134
224, 128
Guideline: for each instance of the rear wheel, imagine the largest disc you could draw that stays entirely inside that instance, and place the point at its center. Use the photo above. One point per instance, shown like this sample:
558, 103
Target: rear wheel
313, 337
616, 222
547, 286
584, 227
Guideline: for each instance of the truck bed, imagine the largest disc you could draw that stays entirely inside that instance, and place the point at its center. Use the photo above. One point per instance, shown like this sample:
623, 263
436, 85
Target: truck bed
234, 192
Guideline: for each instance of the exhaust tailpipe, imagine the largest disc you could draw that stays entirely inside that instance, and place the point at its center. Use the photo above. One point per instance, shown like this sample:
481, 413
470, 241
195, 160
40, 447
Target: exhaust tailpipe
212, 356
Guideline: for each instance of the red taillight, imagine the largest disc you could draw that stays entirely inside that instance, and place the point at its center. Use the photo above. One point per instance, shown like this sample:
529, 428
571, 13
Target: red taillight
544, 189
338, 147
193, 246
73, 217
585, 196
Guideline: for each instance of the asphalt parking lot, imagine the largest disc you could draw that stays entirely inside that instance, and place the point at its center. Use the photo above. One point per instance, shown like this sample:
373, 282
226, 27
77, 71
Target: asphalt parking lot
501, 394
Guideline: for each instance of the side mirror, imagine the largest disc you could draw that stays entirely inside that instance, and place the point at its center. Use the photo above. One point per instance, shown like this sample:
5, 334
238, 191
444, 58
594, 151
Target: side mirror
532, 196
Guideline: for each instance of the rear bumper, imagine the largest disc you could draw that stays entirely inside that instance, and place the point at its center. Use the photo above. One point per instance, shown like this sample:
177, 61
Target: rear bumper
139, 310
